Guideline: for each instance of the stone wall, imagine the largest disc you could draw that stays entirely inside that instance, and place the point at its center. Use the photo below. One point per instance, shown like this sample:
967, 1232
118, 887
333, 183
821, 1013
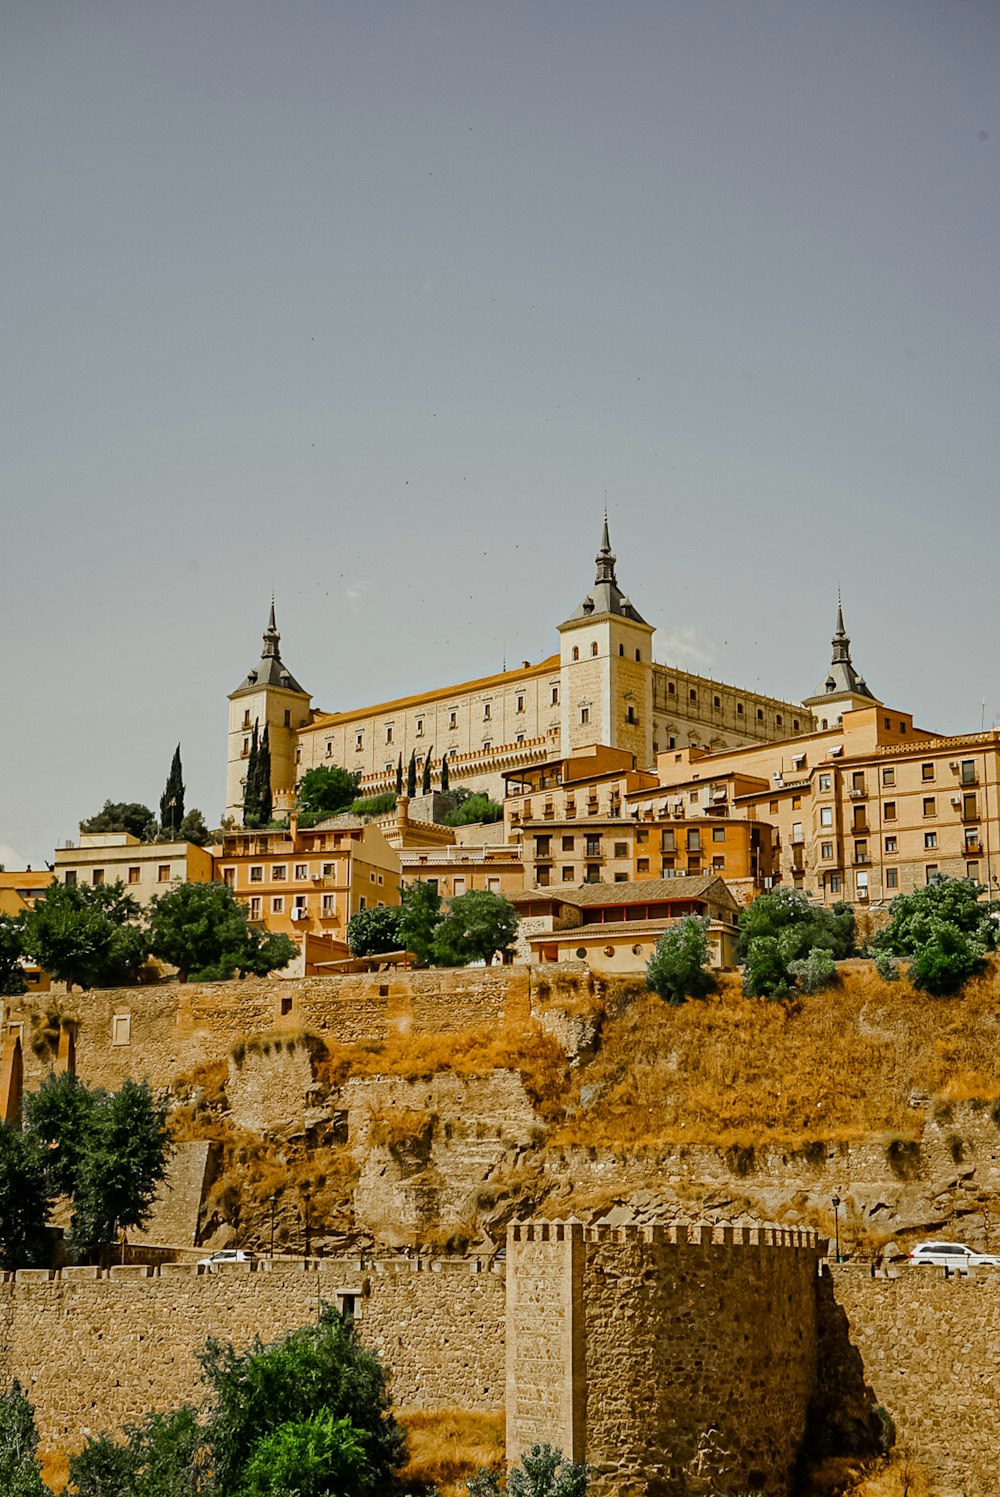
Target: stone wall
96, 1351
930, 1348
673, 1366
166, 1030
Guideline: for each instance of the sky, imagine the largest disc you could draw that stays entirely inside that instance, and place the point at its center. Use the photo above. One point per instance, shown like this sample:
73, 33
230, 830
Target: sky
375, 305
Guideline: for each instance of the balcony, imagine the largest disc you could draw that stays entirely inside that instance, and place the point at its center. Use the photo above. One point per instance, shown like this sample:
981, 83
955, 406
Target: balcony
861, 860
861, 828
857, 794
974, 849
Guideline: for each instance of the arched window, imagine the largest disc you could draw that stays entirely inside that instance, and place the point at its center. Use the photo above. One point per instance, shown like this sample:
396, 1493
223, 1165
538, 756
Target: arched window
576, 653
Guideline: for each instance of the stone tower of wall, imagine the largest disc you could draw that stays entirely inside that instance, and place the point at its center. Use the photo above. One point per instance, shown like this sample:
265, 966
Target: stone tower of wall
675, 1364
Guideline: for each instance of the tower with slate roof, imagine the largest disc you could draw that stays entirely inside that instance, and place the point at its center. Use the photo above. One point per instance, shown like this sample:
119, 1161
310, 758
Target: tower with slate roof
606, 668
269, 694
842, 689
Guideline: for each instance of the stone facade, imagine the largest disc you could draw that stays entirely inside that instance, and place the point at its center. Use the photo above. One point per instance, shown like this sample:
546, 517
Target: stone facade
930, 1346
94, 1351
675, 1367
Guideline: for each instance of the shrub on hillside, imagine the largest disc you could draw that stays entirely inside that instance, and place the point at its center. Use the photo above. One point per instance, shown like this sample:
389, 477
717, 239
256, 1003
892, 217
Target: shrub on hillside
782, 931
473, 808
765, 970
373, 930
945, 928
814, 972
678, 968
20, 1471
542, 1472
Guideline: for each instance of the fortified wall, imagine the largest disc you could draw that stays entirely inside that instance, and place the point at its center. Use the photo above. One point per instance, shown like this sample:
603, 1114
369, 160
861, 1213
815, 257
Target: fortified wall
94, 1351
675, 1363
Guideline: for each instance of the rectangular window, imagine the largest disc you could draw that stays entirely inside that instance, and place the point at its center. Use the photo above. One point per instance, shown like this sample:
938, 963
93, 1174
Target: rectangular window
889, 810
834, 883
567, 844
892, 878
861, 852
739, 709
797, 831
288, 717
359, 742
133, 875
487, 711
163, 873
300, 904
70, 878
458, 886
363, 903
772, 807
229, 877
279, 873
257, 873
694, 840
931, 873
593, 847
621, 849
718, 863
826, 850
121, 1029
890, 844
328, 870
255, 903
927, 771
858, 780
824, 781
826, 816
301, 870
520, 704
493, 884
667, 868
328, 905
861, 883
888, 776
642, 866
718, 834
970, 808
630, 716
930, 839
796, 802
388, 735
329, 748
668, 841
930, 805
585, 714
555, 696
972, 871
453, 719
420, 727
968, 771
693, 797
567, 875
277, 904
97, 877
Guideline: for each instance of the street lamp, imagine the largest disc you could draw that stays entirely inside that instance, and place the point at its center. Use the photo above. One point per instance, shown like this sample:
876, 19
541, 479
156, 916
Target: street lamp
305, 1223
273, 1200
835, 1202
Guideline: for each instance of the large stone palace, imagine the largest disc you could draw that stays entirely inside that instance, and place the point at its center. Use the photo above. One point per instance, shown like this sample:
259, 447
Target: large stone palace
602, 686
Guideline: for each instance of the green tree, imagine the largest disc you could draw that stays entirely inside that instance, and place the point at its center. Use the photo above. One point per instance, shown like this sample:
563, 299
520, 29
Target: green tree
945, 930
421, 907
203, 931
193, 829
313, 1457
473, 808
318, 1369
678, 968
11, 950
814, 972
411, 775
108, 1151
251, 785
399, 774
800, 923
475, 927
172, 799
542, 1472
86, 936
265, 797
25, 1201
444, 772
373, 930
161, 1457
324, 791
123, 816
765, 969
425, 783
20, 1470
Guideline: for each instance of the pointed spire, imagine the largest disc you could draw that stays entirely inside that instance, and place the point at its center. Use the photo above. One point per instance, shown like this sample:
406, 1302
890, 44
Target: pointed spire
271, 636
841, 641
606, 558
842, 680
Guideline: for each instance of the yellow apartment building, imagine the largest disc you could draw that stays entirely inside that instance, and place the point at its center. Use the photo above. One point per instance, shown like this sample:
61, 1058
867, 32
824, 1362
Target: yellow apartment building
602, 686
145, 868
18, 890
307, 882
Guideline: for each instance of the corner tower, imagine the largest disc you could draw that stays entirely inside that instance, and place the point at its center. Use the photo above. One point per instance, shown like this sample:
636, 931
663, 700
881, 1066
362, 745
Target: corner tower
842, 690
269, 695
606, 669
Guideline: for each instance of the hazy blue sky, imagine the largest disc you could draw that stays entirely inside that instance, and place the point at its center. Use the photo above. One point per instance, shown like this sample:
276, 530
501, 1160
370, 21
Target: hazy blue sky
370, 303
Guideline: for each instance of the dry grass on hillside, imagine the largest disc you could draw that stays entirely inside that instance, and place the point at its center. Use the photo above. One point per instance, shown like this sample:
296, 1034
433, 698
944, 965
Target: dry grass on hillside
470, 1052
895, 1476
447, 1445
736, 1072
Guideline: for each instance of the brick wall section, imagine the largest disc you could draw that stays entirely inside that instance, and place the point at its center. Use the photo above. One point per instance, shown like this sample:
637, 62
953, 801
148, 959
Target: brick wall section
931, 1353
175, 1026
690, 1363
95, 1352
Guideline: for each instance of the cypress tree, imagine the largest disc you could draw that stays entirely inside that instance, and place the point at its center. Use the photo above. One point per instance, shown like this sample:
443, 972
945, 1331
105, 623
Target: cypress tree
444, 772
264, 779
399, 774
425, 784
251, 788
172, 799
411, 775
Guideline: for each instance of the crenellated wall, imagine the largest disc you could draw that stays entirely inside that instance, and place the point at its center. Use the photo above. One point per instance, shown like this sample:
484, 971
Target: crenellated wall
94, 1350
673, 1362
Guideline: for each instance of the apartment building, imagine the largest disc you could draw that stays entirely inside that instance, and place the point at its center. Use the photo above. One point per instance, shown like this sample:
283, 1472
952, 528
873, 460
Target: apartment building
145, 868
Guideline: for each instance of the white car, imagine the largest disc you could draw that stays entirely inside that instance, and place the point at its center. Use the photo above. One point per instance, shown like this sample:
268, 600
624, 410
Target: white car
227, 1255
953, 1255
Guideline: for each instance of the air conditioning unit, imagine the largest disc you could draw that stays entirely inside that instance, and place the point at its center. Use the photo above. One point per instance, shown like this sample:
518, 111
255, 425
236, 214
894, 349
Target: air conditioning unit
956, 800
953, 764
